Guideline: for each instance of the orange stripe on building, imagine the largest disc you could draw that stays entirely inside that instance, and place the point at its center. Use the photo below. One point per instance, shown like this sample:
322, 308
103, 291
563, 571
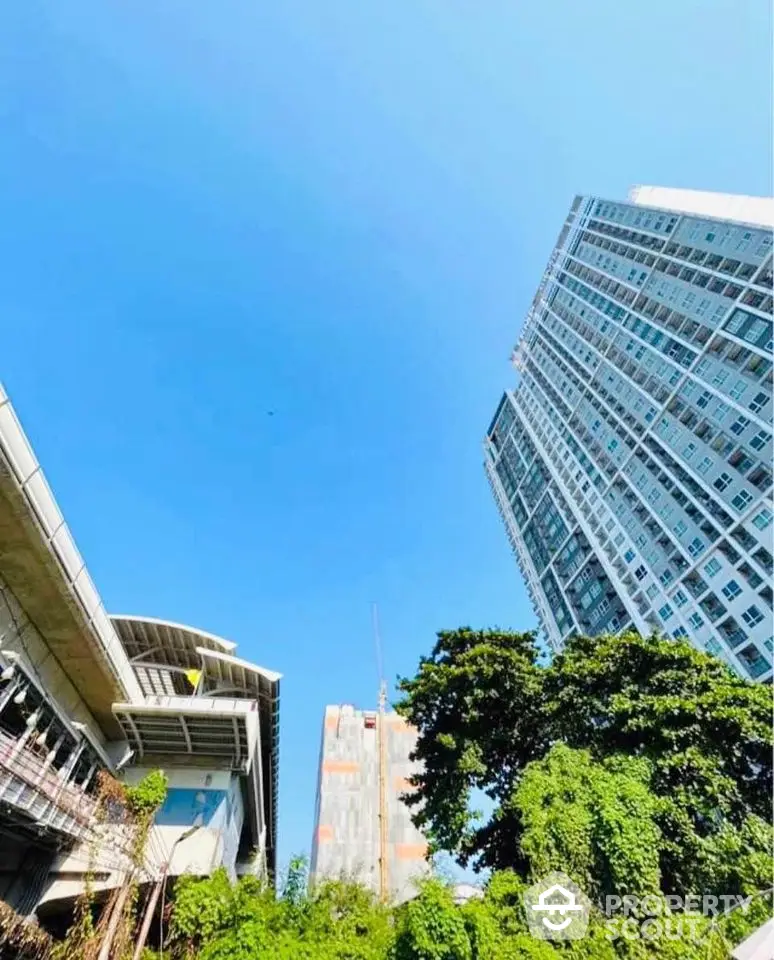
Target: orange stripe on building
324, 834
398, 723
331, 721
403, 785
410, 851
340, 766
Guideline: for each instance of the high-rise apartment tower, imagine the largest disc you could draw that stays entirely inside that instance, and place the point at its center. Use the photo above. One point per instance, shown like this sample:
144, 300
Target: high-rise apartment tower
632, 463
363, 829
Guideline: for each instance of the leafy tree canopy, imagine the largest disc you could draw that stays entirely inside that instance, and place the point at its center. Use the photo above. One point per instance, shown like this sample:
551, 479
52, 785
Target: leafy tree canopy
630, 760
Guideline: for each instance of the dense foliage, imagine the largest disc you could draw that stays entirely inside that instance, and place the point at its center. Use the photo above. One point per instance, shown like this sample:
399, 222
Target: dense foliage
214, 920
635, 764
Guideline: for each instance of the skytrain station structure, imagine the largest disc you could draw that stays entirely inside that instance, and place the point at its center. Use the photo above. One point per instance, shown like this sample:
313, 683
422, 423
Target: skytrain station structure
82, 691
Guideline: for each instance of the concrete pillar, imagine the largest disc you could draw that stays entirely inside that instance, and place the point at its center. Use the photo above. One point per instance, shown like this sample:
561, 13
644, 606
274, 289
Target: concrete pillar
50, 758
9, 692
89, 775
22, 741
69, 765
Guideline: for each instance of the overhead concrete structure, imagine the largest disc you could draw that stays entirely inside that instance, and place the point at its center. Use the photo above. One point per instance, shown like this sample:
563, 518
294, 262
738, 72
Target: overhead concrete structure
47, 577
363, 827
81, 692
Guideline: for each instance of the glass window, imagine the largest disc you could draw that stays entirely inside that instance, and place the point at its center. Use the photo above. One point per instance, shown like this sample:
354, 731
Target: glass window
762, 519
680, 528
757, 403
737, 321
722, 482
695, 621
712, 567
738, 389
752, 616
640, 573
713, 646
742, 499
755, 330
759, 441
731, 590
740, 461
705, 465
629, 556
695, 547
666, 613
739, 425
680, 598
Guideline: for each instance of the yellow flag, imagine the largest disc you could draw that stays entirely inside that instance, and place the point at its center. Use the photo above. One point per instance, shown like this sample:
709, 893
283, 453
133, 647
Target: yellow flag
193, 677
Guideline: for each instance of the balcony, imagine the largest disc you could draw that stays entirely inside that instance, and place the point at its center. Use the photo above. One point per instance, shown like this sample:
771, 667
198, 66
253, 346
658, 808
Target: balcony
754, 660
732, 633
36, 798
712, 607
695, 585
750, 575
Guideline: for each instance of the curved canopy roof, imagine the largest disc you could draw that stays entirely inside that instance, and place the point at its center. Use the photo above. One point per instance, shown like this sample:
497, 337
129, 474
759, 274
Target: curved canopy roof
163, 655
161, 652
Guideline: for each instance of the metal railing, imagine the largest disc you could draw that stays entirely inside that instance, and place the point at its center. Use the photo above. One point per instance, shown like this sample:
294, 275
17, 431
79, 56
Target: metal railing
35, 788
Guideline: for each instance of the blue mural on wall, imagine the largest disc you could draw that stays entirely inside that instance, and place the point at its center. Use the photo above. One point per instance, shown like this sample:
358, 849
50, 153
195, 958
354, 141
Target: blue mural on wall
184, 807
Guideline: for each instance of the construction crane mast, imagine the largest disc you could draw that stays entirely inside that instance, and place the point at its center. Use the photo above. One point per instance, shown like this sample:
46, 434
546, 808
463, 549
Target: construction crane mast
384, 884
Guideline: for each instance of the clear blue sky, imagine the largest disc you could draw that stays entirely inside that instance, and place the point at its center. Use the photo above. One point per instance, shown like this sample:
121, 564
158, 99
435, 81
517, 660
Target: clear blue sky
337, 211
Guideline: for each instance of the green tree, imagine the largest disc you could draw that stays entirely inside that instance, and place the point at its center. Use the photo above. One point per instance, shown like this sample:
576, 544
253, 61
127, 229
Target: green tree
486, 709
596, 821
430, 927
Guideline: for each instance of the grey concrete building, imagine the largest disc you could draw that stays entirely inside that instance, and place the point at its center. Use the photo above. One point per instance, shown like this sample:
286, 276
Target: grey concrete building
632, 463
363, 829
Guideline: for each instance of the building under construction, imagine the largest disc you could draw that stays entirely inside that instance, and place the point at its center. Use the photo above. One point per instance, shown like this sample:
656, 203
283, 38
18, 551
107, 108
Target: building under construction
363, 828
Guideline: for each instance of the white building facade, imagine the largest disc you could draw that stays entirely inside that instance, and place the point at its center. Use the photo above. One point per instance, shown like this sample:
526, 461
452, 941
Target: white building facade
632, 463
